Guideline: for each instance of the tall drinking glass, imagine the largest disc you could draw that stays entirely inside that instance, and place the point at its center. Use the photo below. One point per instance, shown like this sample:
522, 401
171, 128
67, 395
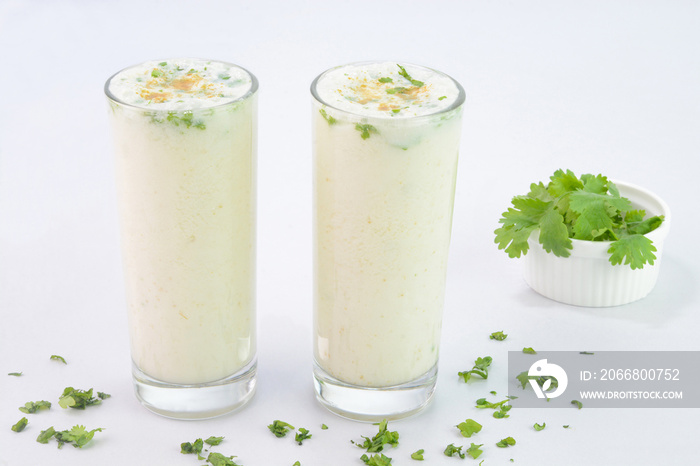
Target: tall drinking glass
185, 144
386, 143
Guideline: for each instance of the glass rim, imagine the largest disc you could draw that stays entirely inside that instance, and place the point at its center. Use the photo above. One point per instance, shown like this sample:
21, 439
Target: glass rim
253, 88
458, 101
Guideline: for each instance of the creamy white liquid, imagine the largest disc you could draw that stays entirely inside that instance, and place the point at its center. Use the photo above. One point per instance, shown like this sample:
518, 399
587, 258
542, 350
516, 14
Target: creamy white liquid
383, 214
186, 182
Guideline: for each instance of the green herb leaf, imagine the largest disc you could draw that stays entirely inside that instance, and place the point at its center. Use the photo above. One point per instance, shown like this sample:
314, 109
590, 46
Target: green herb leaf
383, 437
418, 455
296, 463
529, 351
396, 90
386, 80
78, 436
498, 336
188, 448
474, 450
506, 442
280, 428
469, 427
46, 435
577, 403
217, 459
302, 435
324, 427
634, 250
443, 97
103, 395
214, 441
77, 399
327, 117
55, 357
480, 368
452, 450
376, 460
365, 130
566, 426
31, 407
21, 424
15, 374
405, 74
156, 73
539, 427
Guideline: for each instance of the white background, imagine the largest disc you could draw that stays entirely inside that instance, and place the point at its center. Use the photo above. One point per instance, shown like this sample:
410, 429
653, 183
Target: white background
597, 87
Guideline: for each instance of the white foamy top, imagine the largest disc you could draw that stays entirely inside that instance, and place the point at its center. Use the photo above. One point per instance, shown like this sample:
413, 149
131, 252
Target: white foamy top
387, 89
180, 84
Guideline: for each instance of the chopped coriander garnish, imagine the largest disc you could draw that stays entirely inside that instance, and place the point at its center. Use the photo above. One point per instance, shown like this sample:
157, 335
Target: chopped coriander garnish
395, 110
302, 435
474, 450
524, 377
418, 455
31, 407
481, 403
156, 73
21, 424
78, 436
214, 441
55, 357
224, 76
324, 427
452, 450
163, 63
529, 351
384, 436
405, 74
188, 448
365, 130
502, 413
376, 460
481, 368
442, 97
493, 392
469, 427
506, 442
77, 399
566, 426
46, 435
396, 90
296, 463
327, 117
539, 427
103, 395
16, 374
499, 336
386, 80
217, 459
578, 404
280, 428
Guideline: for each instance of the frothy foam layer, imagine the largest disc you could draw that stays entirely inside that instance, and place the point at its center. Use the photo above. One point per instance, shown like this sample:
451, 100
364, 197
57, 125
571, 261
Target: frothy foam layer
387, 89
180, 84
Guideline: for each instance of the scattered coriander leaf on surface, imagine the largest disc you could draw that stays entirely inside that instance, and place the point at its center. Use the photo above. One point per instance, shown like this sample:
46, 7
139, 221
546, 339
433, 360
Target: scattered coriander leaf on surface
566, 426
498, 336
77, 399
296, 463
15, 374
452, 450
418, 455
480, 368
529, 351
469, 428
55, 357
21, 424
474, 450
217, 459
280, 428
493, 392
214, 441
78, 436
188, 448
376, 460
31, 407
103, 395
383, 437
46, 435
324, 427
578, 404
302, 435
506, 442
539, 427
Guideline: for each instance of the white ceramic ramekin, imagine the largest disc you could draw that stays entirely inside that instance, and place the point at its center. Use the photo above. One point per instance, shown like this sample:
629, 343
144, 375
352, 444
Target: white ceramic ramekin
586, 277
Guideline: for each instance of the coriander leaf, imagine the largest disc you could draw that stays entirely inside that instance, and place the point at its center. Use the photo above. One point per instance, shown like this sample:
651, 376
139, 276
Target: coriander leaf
156, 73
469, 428
474, 450
502, 413
396, 90
383, 437
506, 442
365, 130
302, 435
296, 463
554, 236
188, 448
418, 455
519, 223
163, 63
562, 183
529, 351
31, 407
452, 450
46, 435
77, 399
578, 404
327, 117
280, 428
539, 427
214, 441
103, 395
78, 436
634, 250
595, 184
217, 459
566, 426
642, 227
442, 97
482, 403
324, 427
498, 336
405, 74
55, 357
386, 80
376, 460
480, 368
21, 424
16, 374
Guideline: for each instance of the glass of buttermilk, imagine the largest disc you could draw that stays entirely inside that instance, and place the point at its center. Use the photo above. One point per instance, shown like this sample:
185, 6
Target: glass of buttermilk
185, 133
386, 143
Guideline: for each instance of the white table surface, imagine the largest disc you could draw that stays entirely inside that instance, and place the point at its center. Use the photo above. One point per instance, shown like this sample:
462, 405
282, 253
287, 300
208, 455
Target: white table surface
597, 87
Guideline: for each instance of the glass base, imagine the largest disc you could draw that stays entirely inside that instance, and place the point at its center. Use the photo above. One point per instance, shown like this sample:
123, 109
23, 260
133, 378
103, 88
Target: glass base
196, 401
372, 404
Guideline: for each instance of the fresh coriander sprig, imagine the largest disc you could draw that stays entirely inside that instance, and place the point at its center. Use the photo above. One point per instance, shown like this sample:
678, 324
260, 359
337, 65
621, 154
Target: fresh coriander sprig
481, 368
79, 399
